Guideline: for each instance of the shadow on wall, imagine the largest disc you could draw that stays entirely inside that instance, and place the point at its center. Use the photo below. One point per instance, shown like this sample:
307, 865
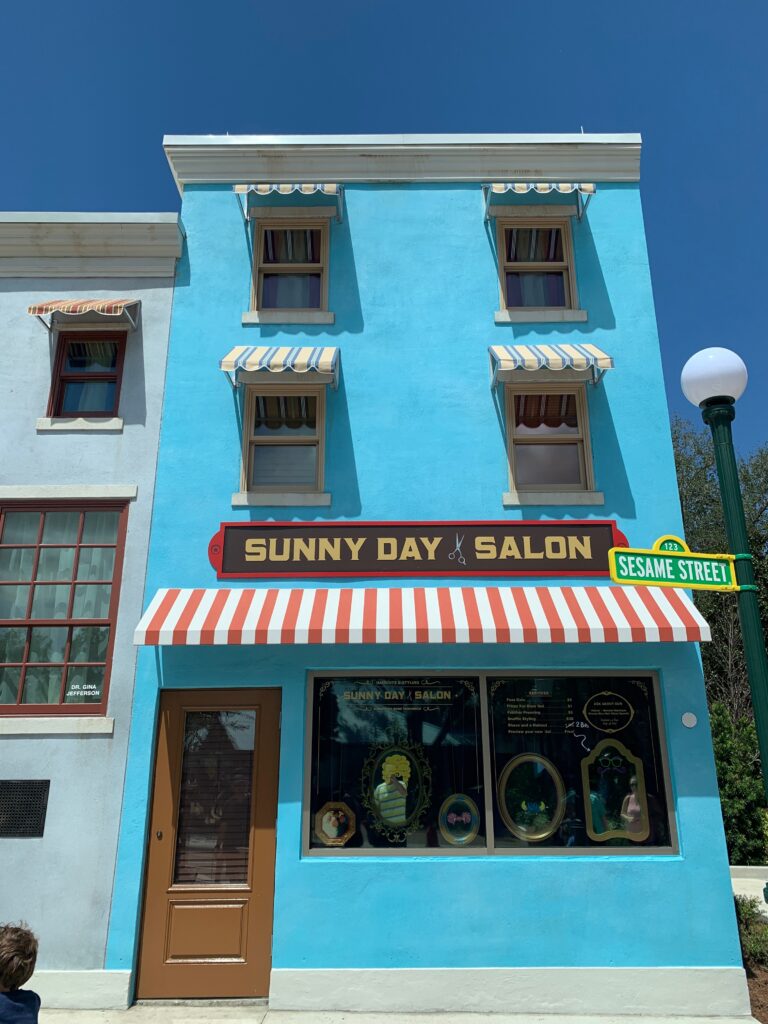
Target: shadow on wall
610, 471
340, 468
343, 293
593, 293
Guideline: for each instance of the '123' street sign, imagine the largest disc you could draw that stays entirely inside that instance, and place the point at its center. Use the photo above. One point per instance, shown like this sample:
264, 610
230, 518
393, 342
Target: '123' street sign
670, 563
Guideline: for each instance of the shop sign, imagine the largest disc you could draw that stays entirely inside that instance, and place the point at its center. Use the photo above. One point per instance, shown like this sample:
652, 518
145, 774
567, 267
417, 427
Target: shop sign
671, 563
564, 548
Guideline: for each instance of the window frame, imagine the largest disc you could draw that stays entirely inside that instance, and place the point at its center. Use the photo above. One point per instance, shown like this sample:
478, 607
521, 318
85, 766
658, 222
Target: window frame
270, 389
259, 268
582, 439
567, 267
67, 505
490, 849
59, 378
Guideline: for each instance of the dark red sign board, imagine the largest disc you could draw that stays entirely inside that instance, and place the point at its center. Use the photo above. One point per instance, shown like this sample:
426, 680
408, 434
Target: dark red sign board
350, 548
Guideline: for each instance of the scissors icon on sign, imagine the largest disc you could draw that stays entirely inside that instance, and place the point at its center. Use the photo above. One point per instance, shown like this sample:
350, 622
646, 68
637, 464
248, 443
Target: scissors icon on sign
456, 553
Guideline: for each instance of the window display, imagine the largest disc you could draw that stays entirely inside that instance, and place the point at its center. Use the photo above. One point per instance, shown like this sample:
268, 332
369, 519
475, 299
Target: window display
400, 759
574, 764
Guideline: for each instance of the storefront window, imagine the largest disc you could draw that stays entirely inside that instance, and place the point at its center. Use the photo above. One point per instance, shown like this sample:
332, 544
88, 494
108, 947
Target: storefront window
574, 765
576, 762
396, 764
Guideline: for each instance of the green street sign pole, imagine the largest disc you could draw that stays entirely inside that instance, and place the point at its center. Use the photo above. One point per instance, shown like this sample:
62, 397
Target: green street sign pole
718, 413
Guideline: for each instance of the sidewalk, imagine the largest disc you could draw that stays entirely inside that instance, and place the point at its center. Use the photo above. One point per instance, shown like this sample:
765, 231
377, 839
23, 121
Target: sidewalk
254, 1013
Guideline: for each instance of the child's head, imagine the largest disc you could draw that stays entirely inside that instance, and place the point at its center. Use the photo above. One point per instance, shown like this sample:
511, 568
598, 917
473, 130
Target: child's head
18, 953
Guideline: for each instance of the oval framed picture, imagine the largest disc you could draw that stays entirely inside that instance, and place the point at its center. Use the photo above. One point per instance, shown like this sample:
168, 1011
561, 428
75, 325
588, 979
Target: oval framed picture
459, 819
531, 796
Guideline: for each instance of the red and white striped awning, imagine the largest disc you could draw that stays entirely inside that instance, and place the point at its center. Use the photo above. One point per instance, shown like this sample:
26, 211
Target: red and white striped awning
421, 615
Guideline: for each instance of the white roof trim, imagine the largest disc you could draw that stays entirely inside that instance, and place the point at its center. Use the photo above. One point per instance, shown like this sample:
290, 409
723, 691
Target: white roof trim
233, 159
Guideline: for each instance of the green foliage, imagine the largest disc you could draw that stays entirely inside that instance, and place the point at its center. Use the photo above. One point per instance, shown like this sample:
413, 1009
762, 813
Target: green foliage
753, 932
741, 788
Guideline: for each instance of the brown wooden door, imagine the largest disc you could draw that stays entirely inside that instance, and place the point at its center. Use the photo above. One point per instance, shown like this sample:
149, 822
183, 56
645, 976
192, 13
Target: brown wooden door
207, 928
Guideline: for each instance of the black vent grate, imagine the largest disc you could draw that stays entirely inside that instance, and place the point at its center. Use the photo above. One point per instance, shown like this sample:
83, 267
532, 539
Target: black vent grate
23, 804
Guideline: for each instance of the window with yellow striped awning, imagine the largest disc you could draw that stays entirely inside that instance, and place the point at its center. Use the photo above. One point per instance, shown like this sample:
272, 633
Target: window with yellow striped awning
564, 356
126, 308
282, 359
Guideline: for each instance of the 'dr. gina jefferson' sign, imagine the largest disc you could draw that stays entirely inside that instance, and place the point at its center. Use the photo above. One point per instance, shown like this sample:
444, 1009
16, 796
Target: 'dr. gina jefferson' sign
247, 550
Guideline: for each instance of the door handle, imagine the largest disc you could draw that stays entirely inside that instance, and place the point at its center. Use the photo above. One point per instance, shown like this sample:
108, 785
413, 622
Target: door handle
158, 834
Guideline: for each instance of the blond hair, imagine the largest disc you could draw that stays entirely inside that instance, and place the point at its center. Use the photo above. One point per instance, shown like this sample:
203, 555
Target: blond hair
396, 764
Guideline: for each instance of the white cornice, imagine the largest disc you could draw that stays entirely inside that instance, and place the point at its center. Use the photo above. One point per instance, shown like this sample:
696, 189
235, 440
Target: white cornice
231, 159
155, 236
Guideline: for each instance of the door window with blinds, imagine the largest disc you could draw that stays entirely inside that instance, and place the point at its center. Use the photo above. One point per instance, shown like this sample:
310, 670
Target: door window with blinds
536, 269
87, 375
548, 438
291, 266
59, 582
283, 439
215, 798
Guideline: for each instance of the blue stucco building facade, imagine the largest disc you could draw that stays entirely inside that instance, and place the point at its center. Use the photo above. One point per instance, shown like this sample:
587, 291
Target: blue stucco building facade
556, 918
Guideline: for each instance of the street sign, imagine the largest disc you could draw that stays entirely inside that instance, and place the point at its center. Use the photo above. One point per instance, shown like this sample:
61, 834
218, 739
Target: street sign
671, 563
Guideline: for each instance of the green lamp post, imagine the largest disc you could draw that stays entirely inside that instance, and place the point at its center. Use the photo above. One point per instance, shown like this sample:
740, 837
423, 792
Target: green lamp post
714, 379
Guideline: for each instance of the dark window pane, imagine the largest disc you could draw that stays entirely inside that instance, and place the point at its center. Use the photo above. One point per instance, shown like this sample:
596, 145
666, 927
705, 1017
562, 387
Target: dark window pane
12, 640
61, 527
13, 601
397, 764
91, 601
42, 685
562, 777
89, 643
540, 415
21, 527
55, 564
543, 465
9, 684
91, 357
534, 245
85, 684
47, 643
96, 564
291, 245
213, 837
100, 527
290, 291
16, 563
546, 290
286, 415
273, 465
50, 601
96, 396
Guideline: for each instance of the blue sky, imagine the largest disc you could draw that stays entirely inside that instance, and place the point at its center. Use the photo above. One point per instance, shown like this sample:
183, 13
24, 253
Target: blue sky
91, 86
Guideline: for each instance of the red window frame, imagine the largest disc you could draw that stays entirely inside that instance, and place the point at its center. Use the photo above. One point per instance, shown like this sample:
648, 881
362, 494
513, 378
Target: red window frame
60, 708
60, 378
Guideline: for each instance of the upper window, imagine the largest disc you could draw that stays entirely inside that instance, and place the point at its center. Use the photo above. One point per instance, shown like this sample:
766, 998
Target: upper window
536, 265
547, 438
87, 375
291, 267
59, 580
284, 439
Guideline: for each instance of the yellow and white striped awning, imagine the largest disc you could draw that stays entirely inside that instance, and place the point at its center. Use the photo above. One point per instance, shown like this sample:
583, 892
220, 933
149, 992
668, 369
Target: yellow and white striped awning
282, 359
564, 356
543, 187
286, 189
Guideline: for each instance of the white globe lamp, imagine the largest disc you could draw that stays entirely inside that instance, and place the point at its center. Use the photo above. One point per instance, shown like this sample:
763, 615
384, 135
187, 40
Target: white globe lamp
713, 373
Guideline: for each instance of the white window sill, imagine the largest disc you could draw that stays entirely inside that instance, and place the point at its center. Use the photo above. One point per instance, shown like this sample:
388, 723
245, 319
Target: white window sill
513, 499
288, 316
61, 725
50, 425
263, 499
540, 316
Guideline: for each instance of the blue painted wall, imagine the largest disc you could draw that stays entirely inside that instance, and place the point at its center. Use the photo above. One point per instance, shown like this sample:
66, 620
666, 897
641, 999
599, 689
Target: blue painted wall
413, 434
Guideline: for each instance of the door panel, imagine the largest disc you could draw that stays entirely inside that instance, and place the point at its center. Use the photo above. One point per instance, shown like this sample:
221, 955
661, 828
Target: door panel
207, 928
